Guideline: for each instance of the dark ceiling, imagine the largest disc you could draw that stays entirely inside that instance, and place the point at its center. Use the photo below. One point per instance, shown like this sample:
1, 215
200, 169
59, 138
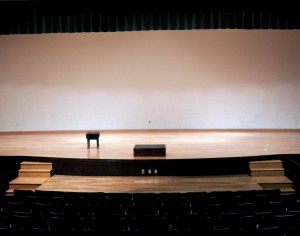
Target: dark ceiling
63, 7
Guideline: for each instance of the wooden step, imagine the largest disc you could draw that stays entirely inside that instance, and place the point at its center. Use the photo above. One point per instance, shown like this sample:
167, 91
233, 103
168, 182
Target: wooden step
23, 186
30, 175
274, 182
265, 164
39, 173
267, 171
276, 185
36, 165
28, 180
285, 191
9, 192
26, 183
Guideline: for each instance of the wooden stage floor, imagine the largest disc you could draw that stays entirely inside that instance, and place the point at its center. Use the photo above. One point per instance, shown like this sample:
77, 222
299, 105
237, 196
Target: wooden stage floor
180, 144
149, 184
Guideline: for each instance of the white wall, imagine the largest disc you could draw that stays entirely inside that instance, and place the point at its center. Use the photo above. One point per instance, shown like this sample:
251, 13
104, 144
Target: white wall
173, 79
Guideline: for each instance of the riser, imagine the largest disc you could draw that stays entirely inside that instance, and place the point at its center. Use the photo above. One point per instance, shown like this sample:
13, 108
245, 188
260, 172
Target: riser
34, 174
11, 191
266, 165
23, 186
257, 173
276, 185
36, 167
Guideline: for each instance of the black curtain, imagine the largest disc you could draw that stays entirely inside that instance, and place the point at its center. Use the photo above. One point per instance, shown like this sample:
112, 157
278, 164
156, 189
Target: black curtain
33, 18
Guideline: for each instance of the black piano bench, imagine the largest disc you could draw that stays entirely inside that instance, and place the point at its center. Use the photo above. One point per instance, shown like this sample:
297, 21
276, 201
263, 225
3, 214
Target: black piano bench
92, 135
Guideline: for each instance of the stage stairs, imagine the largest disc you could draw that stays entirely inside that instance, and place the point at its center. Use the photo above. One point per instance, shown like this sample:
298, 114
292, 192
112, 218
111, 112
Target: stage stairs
30, 176
270, 174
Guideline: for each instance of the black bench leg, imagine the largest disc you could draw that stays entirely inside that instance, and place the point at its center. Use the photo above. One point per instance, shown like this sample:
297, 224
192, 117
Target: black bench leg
97, 143
88, 143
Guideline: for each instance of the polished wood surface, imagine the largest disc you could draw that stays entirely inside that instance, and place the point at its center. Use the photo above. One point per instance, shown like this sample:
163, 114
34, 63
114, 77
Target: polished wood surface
180, 144
154, 184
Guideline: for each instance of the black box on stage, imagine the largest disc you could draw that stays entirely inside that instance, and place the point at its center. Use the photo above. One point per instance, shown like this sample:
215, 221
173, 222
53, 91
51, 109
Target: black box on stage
149, 150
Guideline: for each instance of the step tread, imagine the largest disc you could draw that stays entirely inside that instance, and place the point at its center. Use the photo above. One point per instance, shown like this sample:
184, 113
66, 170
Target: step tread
272, 179
10, 191
41, 168
35, 162
34, 165
287, 190
29, 180
35, 170
265, 162
266, 169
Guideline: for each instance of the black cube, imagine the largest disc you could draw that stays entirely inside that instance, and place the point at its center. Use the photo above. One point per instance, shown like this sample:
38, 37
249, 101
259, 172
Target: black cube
149, 150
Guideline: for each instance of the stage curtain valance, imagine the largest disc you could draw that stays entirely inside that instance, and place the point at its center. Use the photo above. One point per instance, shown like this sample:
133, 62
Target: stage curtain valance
37, 21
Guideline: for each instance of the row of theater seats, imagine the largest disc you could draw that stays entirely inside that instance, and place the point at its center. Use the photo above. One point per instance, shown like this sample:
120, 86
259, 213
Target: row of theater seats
258, 212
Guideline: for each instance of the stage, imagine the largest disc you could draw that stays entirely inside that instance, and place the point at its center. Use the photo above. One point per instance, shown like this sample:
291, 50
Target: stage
180, 144
195, 154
